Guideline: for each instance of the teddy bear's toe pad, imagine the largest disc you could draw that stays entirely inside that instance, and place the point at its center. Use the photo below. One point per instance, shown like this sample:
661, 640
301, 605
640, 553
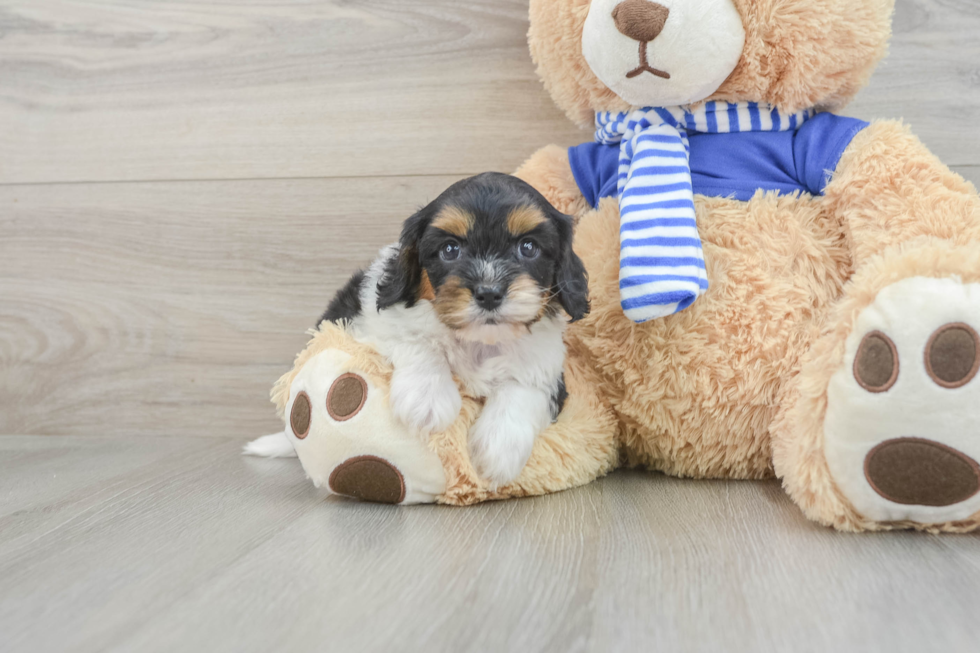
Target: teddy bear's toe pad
902, 428
368, 478
915, 471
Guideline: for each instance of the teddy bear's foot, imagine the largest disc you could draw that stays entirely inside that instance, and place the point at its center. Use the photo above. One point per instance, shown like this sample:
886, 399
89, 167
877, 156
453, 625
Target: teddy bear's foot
902, 429
342, 429
900, 401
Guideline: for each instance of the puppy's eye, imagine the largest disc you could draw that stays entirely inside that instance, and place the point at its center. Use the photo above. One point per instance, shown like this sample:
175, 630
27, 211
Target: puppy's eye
528, 248
449, 251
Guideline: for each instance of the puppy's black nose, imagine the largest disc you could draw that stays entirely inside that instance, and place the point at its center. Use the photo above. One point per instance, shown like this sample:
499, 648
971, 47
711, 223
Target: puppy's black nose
488, 297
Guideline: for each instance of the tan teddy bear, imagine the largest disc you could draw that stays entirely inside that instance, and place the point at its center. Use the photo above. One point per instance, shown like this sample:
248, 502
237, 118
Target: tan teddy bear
776, 290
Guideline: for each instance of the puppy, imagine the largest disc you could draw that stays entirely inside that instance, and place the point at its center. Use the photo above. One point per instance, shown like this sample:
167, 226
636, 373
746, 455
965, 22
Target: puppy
480, 286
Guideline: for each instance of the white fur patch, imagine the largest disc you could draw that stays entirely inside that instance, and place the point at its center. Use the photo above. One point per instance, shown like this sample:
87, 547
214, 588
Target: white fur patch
700, 45
908, 312
503, 436
423, 395
487, 359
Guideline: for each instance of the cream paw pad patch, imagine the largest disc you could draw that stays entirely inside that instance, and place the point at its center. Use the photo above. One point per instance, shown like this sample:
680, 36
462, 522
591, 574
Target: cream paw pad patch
348, 441
901, 437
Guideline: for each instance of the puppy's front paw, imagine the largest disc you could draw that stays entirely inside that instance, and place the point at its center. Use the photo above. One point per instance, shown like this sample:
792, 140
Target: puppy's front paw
425, 402
500, 447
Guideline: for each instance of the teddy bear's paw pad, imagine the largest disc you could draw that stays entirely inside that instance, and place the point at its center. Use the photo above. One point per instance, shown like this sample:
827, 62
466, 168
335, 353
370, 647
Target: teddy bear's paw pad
916, 471
340, 423
901, 432
952, 355
368, 478
299, 415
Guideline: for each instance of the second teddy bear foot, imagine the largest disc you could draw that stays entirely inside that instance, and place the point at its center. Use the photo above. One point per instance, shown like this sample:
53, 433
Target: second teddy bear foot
901, 431
879, 430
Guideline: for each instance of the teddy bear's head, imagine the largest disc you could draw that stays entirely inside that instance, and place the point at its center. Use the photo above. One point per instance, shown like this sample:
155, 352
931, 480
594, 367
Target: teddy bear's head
608, 55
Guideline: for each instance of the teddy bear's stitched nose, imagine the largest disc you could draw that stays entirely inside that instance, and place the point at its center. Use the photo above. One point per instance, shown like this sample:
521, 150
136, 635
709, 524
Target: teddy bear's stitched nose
640, 19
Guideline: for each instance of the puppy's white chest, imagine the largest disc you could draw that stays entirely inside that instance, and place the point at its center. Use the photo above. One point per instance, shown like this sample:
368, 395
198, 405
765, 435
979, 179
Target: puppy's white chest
480, 366
482, 354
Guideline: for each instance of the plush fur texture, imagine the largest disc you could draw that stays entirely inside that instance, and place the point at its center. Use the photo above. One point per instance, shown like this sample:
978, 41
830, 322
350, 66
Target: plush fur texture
697, 390
798, 437
797, 54
712, 391
736, 385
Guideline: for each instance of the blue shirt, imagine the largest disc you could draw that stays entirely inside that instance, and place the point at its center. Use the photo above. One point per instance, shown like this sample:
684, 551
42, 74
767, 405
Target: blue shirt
737, 165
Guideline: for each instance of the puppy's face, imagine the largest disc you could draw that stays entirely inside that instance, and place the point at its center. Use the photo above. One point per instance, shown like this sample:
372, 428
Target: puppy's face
493, 257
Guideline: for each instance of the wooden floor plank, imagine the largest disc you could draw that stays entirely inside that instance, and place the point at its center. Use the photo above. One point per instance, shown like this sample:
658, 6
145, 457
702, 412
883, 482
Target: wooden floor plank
141, 90
123, 551
929, 78
223, 552
144, 89
188, 546
171, 308
708, 566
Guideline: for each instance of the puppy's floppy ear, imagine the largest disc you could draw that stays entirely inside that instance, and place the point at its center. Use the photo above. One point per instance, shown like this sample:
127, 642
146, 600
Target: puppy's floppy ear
403, 273
571, 279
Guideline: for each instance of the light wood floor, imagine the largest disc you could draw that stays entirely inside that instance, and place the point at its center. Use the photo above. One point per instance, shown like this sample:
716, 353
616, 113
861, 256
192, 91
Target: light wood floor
183, 185
179, 544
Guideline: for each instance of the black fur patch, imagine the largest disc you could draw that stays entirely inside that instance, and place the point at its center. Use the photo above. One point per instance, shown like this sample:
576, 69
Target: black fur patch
346, 304
489, 198
558, 397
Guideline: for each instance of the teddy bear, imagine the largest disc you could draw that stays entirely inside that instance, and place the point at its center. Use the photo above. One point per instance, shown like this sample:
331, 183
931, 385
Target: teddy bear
776, 289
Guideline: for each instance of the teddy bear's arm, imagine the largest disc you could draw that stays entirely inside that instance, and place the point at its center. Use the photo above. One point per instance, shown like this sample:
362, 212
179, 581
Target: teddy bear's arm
888, 188
549, 172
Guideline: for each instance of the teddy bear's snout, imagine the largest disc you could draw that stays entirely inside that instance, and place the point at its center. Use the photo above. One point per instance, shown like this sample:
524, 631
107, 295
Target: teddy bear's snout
641, 20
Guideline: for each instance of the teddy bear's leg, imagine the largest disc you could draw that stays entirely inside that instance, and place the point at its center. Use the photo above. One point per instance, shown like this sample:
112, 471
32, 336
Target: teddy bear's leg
879, 428
335, 405
549, 172
889, 189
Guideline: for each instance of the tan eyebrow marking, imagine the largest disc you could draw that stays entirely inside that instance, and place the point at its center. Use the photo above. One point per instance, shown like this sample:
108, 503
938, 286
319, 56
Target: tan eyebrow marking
524, 219
454, 220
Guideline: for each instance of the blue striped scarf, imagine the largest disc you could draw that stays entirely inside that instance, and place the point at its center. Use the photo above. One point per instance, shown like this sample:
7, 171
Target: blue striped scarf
661, 265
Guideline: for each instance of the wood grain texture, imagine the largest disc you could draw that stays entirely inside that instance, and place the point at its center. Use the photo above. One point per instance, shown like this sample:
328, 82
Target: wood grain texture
171, 308
164, 544
148, 89
931, 77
